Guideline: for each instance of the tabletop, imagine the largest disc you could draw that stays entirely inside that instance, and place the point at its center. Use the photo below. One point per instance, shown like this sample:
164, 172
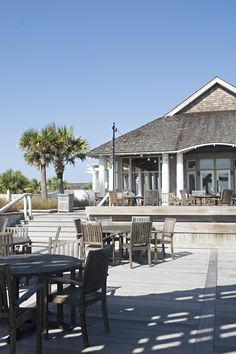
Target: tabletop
40, 264
115, 229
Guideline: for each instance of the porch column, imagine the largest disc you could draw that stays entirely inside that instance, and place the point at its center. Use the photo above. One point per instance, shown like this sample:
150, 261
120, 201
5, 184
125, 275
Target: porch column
139, 182
119, 174
101, 178
179, 173
165, 178
130, 174
110, 178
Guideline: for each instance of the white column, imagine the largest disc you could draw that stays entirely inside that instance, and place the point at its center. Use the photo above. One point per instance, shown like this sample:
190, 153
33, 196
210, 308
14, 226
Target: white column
165, 178
139, 183
102, 165
130, 174
179, 173
119, 174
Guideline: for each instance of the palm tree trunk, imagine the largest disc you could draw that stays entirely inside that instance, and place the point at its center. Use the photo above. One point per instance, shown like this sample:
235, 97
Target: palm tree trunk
60, 183
43, 181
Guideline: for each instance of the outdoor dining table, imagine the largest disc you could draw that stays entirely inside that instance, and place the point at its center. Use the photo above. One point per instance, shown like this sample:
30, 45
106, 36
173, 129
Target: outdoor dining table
40, 265
202, 198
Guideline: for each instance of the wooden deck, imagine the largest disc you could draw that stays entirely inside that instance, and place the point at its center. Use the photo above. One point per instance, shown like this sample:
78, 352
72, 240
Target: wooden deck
181, 306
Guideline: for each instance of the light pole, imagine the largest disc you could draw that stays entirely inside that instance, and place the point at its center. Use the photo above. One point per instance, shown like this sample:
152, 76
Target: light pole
114, 129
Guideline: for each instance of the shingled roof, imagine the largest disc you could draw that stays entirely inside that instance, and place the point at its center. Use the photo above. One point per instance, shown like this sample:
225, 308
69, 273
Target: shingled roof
175, 133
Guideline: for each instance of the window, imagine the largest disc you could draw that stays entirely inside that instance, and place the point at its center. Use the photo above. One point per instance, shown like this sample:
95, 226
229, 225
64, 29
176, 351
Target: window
206, 164
191, 165
223, 163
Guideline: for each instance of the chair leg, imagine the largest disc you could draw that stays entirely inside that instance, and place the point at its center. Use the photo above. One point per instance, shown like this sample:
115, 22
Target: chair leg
172, 250
130, 257
163, 250
13, 341
83, 325
149, 255
105, 313
39, 322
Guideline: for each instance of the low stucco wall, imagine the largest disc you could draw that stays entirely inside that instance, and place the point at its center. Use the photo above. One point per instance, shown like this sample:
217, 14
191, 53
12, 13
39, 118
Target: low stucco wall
14, 218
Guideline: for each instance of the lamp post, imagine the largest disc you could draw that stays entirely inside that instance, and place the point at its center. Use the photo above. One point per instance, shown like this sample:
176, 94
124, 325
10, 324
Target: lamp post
114, 129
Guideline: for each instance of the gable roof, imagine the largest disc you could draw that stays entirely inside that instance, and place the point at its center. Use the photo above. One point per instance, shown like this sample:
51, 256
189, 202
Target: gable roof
180, 132
200, 92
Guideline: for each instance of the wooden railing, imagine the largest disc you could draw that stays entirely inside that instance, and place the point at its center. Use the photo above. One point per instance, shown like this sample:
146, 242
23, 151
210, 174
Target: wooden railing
27, 204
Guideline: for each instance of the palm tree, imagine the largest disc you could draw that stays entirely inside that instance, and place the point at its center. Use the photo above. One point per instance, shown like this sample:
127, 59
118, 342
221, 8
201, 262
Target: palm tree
37, 151
66, 149
14, 181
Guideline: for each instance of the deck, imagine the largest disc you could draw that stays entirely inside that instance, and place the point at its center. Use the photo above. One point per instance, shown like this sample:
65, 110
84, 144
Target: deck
181, 306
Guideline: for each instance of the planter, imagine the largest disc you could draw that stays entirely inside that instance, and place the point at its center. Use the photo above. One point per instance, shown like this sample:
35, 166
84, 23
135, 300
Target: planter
65, 203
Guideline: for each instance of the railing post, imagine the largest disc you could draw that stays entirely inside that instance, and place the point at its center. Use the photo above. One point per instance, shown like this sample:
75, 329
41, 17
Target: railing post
29, 197
25, 206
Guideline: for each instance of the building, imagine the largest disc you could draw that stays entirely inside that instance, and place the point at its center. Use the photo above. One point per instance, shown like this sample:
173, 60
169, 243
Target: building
191, 147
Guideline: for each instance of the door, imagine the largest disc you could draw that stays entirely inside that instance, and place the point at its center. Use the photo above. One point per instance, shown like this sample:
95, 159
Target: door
223, 180
207, 181
191, 181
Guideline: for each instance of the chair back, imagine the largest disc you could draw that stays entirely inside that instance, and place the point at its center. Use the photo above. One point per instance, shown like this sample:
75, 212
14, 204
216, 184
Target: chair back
7, 296
104, 220
140, 232
140, 218
227, 195
66, 247
20, 231
95, 272
113, 197
92, 233
151, 197
6, 244
169, 227
52, 243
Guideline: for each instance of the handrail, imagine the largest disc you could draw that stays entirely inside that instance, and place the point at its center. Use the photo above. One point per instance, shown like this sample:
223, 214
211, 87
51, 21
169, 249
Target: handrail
27, 204
103, 200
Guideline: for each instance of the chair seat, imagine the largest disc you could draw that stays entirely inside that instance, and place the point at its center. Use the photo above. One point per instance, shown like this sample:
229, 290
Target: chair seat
72, 294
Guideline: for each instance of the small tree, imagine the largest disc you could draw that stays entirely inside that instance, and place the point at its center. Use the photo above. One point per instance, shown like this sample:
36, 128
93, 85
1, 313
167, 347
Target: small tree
53, 184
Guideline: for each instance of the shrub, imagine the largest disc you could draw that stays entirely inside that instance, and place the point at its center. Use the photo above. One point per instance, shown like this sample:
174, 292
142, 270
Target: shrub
16, 207
43, 204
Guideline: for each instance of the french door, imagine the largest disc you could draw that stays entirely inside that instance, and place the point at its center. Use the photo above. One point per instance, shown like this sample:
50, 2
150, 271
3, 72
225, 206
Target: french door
223, 180
207, 181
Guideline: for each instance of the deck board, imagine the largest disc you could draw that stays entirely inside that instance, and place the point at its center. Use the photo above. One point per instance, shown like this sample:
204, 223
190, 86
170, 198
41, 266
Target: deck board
159, 309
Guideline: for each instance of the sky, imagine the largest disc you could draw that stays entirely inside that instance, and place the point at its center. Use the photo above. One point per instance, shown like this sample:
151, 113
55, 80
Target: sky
89, 63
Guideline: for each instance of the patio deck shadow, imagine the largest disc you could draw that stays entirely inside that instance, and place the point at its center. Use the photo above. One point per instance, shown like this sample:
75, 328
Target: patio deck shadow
181, 306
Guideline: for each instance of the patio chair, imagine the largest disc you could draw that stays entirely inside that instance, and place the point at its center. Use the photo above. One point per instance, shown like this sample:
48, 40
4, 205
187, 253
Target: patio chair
44, 246
184, 199
6, 244
18, 231
90, 290
139, 239
226, 198
12, 316
165, 236
114, 199
151, 197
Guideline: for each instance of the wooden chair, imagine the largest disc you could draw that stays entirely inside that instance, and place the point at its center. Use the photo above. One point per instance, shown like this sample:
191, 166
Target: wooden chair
66, 247
184, 199
226, 198
90, 290
92, 237
151, 197
139, 239
18, 231
165, 236
44, 246
12, 316
6, 244
114, 200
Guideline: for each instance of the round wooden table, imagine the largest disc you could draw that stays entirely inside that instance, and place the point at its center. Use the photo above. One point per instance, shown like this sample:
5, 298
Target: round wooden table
40, 264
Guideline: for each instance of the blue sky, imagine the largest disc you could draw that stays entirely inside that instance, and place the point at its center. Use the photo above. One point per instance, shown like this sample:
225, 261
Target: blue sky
89, 63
